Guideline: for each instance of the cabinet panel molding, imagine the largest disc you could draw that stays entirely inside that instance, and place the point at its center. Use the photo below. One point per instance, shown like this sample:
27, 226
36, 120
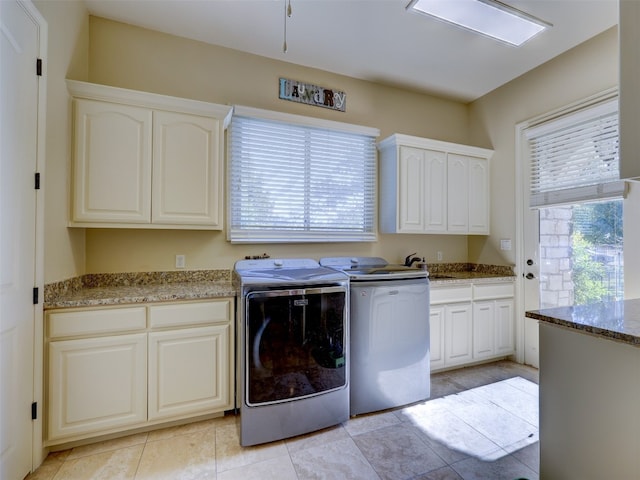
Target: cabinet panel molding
193, 313
97, 384
186, 169
68, 323
186, 371
112, 163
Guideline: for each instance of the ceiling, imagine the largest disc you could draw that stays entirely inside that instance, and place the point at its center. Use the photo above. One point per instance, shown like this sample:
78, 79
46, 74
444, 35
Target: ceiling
374, 40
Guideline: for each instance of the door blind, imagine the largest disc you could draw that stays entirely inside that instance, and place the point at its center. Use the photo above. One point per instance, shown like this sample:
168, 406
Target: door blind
574, 158
295, 179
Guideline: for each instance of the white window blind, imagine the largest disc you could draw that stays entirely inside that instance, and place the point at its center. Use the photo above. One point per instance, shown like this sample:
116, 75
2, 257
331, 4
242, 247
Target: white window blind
574, 158
298, 179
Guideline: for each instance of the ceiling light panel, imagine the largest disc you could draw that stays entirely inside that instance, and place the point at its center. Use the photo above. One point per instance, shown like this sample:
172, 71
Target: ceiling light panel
487, 17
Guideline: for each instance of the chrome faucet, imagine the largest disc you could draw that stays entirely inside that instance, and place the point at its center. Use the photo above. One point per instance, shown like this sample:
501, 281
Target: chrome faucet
408, 261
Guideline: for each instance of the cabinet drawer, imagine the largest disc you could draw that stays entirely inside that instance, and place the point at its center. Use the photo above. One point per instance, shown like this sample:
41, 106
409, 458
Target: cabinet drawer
461, 293
196, 313
96, 322
494, 290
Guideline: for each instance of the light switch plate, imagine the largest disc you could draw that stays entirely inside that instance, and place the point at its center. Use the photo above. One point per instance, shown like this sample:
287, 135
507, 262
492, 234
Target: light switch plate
180, 261
505, 244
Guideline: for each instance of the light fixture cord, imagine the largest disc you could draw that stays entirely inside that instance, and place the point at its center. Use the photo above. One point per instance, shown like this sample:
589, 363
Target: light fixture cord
287, 14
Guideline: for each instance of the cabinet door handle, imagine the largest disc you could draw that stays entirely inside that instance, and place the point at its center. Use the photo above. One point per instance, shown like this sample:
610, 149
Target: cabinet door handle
530, 276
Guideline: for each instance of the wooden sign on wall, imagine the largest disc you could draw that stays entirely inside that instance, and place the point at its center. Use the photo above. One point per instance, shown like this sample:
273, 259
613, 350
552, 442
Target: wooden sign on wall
310, 94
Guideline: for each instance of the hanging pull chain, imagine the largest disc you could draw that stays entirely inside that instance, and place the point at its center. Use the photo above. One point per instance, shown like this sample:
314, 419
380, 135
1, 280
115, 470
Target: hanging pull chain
287, 14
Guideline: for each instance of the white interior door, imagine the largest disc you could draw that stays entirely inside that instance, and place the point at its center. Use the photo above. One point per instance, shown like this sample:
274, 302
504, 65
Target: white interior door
20, 44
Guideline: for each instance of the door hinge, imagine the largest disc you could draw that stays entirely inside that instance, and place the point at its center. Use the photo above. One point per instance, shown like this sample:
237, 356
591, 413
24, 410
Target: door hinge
39, 67
34, 410
35, 295
37, 181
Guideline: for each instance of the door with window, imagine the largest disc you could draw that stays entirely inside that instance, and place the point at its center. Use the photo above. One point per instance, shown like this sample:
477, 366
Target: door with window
571, 211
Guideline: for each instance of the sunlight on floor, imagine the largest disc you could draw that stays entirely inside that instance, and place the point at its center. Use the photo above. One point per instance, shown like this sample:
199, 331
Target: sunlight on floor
486, 422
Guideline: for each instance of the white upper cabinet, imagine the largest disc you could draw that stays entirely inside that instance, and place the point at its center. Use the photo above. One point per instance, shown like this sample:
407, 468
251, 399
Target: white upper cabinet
112, 163
629, 100
429, 186
479, 201
143, 160
422, 209
185, 173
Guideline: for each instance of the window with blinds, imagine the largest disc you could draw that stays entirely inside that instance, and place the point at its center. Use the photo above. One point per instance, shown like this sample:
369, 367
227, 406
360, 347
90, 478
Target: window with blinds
574, 158
298, 179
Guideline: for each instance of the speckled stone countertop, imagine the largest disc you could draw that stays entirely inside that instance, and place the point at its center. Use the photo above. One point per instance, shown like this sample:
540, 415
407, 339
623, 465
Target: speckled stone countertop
125, 288
453, 278
442, 274
618, 321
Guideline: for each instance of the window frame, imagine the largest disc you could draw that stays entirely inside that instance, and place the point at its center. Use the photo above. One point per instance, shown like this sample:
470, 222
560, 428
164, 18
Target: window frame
237, 234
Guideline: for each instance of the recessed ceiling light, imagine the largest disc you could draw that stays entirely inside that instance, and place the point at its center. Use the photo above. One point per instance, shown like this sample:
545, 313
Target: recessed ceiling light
487, 17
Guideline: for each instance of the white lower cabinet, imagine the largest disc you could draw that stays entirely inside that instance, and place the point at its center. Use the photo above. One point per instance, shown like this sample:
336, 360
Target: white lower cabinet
493, 320
457, 334
451, 336
111, 369
471, 323
97, 384
436, 336
504, 327
184, 371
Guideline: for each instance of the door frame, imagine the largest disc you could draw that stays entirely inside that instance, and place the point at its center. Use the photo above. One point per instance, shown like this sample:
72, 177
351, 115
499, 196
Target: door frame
522, 196
38, 451
518, 269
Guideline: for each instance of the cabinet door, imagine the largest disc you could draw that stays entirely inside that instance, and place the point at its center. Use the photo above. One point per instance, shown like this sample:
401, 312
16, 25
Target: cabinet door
436, 324
478, 196
189, 371
458, 193
504, 326
435, 191
96, 385
410, 190
187, 175
458, 333
112, 163
483, 329
422, 191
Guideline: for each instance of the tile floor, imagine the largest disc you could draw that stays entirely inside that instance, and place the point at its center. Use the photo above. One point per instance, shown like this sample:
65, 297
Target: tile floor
480, 423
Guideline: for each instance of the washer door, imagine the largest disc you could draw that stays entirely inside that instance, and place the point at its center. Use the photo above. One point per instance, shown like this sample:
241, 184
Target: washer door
295, 343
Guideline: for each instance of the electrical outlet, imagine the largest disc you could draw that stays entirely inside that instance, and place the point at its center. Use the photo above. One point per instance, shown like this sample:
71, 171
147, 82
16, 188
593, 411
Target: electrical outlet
180, 261
439, 256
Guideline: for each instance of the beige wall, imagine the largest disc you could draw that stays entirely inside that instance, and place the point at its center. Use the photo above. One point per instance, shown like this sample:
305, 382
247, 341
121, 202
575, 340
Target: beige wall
67, 56
583, 71
131, 57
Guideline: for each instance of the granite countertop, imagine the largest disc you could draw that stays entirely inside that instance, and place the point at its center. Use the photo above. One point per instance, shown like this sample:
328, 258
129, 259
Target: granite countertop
126, 288
618, 321
91, 297
103, 289
453, 278
442, 274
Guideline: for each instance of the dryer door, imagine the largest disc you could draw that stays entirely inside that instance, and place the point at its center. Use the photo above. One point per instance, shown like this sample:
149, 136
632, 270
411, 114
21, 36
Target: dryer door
295, 343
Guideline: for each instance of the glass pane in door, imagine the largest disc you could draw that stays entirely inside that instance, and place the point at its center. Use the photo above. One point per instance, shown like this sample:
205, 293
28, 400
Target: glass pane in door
581, 254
